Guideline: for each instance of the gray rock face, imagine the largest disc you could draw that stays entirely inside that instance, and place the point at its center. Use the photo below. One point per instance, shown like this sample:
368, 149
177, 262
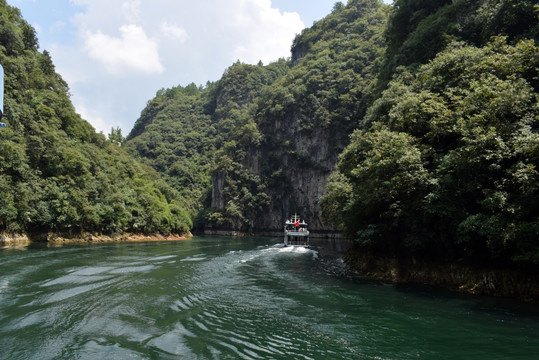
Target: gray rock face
305, 159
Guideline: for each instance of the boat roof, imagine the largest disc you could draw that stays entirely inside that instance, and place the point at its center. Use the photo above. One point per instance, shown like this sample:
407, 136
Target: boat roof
293, 220
288, 222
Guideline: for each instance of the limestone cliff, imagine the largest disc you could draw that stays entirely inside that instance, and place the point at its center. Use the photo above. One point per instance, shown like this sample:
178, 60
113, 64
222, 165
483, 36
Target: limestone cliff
307, 159
258, 145
301, 122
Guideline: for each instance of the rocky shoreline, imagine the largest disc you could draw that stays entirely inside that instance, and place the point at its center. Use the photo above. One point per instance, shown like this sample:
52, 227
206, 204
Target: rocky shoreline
508, 283
15, 240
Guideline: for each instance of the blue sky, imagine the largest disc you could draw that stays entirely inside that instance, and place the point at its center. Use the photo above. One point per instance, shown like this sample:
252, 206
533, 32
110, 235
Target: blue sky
115, 54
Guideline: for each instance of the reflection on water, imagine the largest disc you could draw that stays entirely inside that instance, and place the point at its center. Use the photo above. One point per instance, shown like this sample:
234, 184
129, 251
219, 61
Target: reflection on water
237, 298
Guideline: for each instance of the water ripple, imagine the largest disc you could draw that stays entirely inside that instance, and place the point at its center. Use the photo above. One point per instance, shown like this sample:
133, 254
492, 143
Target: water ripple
231, 299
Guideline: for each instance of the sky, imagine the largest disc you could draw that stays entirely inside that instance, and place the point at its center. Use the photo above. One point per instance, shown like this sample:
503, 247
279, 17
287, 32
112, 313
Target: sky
116, 54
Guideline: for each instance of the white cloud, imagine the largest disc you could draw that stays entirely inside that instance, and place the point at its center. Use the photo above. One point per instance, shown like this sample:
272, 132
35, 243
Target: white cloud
132, 10
258, 31
134, 50
174, 31
277, 31
128, 49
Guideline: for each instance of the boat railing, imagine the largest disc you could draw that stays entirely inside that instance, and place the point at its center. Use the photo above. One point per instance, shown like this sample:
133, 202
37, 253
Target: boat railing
296, 229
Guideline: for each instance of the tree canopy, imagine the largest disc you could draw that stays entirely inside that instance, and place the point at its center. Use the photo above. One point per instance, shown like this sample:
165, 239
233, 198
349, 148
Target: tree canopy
421, 118
446, 163
56, 172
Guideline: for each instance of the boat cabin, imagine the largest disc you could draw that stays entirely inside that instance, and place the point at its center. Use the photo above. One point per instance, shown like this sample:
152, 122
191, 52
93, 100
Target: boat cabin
295, 232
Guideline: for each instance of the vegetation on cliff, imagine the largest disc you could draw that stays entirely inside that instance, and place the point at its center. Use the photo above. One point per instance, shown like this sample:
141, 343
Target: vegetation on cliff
56, 173
252, 120
190, 133
444, 164
424, 113
440, 100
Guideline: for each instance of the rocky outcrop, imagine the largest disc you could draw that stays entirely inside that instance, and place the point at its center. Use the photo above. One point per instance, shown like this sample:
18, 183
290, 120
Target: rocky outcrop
307, 165
218, 190
14, 240
11, 240
54, 238
298, 52
304, 159
502, 282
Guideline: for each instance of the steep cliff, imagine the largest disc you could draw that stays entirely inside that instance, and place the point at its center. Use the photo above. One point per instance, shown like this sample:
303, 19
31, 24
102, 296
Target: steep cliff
259, 144
303, 122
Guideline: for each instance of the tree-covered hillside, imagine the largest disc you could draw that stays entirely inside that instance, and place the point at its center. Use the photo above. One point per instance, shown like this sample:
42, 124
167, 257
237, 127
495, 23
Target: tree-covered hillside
419, 29
444, 165
248, 145
187, 133
440, 100
56, 173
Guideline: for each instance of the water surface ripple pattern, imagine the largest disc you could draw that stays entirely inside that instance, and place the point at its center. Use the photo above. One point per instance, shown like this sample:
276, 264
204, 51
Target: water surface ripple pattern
228, 298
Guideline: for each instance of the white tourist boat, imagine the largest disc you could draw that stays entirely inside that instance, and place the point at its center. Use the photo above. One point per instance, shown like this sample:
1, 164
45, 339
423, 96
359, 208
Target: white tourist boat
295, 232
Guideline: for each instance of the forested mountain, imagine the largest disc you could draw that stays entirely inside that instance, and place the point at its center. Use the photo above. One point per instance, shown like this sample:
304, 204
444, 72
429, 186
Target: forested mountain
444, 164
280, 127
56, 173
412, 128
440, 100
188, 133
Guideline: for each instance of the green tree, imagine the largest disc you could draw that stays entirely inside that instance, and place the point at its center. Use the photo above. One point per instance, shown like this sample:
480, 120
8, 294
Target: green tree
419, 29
116, 137
468, 166
56, 172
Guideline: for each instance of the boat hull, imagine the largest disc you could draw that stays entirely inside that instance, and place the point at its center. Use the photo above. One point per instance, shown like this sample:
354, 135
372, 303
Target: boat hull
295, 232
296, 239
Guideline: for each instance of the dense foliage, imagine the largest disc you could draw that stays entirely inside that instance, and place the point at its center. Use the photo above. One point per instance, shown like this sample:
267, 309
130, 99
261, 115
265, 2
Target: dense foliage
56, 172
445, 162
177, 140
189, 133
419, 29
432, 106
441, 101
331, 85
325, 88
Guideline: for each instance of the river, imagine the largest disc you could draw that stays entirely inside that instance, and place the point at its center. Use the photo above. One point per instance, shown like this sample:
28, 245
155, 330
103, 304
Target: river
237, 298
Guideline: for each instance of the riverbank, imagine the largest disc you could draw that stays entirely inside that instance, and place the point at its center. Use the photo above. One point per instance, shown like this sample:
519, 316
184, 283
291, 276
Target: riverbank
14, 240
508, 283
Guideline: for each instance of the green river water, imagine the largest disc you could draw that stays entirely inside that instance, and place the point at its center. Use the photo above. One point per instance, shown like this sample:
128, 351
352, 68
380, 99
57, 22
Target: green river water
237, 298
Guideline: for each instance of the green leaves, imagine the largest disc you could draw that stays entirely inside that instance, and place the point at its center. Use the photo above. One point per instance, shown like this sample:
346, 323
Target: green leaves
384, 178
56, 173
448, 159
333, 81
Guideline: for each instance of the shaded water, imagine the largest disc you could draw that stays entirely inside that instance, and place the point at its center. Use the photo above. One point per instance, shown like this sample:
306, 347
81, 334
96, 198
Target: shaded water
227, 298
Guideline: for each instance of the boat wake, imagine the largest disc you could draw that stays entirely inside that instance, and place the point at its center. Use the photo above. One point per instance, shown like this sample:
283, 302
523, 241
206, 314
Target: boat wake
244, 289
275, 250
